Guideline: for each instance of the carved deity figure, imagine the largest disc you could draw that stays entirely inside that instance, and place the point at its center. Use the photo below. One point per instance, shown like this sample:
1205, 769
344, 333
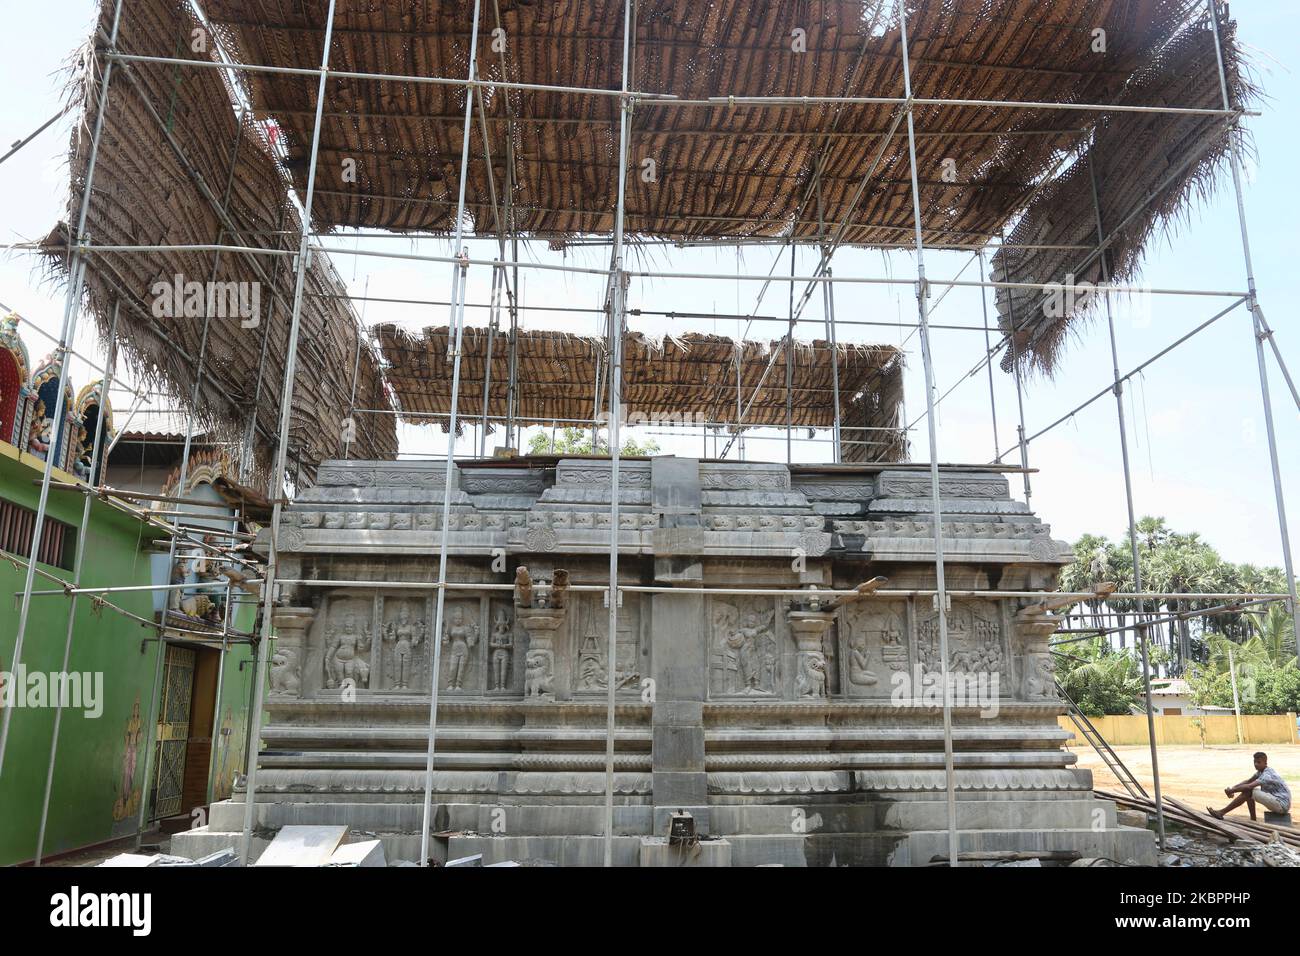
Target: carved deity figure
860, 672
462, 635
403, 637
343, 650
747, 650
502, 644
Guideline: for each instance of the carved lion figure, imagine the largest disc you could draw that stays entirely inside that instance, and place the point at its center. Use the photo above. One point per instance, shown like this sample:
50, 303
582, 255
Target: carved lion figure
811, 680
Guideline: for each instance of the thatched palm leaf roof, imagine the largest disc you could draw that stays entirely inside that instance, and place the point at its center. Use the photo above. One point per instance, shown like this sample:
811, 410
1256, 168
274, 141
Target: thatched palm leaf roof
722, 170
1155, 163
679, 379
145, 194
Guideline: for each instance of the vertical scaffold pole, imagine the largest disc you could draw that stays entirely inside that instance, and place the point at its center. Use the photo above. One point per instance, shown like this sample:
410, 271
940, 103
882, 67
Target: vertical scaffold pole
1234, 160
106, 383
988, 351
76, 270
183, 477
460, 279
1128, 498
617, 304
282, 453
941, 597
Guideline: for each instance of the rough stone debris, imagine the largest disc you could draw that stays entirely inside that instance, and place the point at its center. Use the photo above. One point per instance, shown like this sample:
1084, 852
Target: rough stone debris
792, 728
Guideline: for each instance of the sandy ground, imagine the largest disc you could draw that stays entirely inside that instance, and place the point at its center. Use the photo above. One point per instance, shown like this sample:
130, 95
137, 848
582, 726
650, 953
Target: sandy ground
1195, 775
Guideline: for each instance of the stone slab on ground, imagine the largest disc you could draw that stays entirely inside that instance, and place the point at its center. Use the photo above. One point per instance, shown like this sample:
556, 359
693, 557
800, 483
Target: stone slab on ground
303, 846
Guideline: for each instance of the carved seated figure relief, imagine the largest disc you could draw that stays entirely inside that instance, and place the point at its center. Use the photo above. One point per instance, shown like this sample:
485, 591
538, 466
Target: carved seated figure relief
345, 646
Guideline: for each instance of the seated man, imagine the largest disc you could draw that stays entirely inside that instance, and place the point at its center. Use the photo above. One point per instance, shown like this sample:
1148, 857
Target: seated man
1266, 787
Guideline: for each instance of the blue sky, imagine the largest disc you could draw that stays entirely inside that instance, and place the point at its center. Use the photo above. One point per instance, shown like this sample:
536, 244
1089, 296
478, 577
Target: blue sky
1195, 419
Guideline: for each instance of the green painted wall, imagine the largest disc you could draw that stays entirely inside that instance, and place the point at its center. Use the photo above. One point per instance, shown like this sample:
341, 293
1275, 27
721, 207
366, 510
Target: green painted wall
99, 773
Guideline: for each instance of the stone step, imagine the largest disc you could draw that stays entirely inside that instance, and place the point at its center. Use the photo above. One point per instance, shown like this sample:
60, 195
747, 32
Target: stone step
1119, 843
542, 820
725, 820
887, 815
894, 848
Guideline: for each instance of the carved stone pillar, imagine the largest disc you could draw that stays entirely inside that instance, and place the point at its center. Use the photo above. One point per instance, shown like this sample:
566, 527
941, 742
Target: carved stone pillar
1032, 627
808, 628
291, 625
541, 625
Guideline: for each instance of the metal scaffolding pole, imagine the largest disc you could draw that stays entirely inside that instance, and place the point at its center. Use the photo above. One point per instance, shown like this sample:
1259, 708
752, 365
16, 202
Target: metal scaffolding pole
183, 476
95, 457
789, 371
988, 353
59, 433
282, 451
1020, 398
1128, 499
1257, 320
247, 457
940, 598
216, 704
617, 304
459, 279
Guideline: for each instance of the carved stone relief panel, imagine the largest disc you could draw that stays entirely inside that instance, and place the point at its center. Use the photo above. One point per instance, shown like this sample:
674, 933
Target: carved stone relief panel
505, 645
347, 642
464, 651
976, 641
590, 629
874, 646
745, 650
406, 626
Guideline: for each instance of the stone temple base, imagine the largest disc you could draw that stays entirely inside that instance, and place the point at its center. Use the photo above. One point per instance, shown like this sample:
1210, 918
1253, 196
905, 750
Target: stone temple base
800, 730
896, 829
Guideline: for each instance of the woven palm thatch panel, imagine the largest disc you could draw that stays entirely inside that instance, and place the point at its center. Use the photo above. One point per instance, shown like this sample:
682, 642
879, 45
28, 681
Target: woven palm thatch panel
720, 169
1154, 164
686, 379
149, 190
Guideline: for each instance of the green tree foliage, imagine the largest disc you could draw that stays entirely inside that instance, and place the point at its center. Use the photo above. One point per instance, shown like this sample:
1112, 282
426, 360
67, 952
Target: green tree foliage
1100, 679
576, 441
1173, 562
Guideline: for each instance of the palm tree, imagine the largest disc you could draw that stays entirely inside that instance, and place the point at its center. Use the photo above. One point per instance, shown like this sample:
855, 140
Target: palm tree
1274, 629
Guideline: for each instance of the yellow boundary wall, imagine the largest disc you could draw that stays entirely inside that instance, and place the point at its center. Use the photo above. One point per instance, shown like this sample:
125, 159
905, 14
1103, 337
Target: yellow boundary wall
1219, 729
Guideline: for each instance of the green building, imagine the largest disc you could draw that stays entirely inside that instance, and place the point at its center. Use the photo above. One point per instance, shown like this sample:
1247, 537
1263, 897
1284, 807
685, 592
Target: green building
199, 737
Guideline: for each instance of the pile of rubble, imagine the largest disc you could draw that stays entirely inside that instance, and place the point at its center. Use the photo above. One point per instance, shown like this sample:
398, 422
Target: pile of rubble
1212, 851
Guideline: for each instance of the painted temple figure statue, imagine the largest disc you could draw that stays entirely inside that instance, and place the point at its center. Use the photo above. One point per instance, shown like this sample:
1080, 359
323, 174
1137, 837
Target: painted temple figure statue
501, 643
343, 650
90, 405
404, 638
18, 403
55, 430
462, 636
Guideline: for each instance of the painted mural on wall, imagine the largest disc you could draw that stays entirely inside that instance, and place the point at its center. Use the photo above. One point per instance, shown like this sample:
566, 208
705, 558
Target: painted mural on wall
127, 804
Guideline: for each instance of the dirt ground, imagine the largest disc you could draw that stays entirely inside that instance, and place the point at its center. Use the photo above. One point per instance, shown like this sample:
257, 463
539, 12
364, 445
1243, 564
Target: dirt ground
1193, 774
